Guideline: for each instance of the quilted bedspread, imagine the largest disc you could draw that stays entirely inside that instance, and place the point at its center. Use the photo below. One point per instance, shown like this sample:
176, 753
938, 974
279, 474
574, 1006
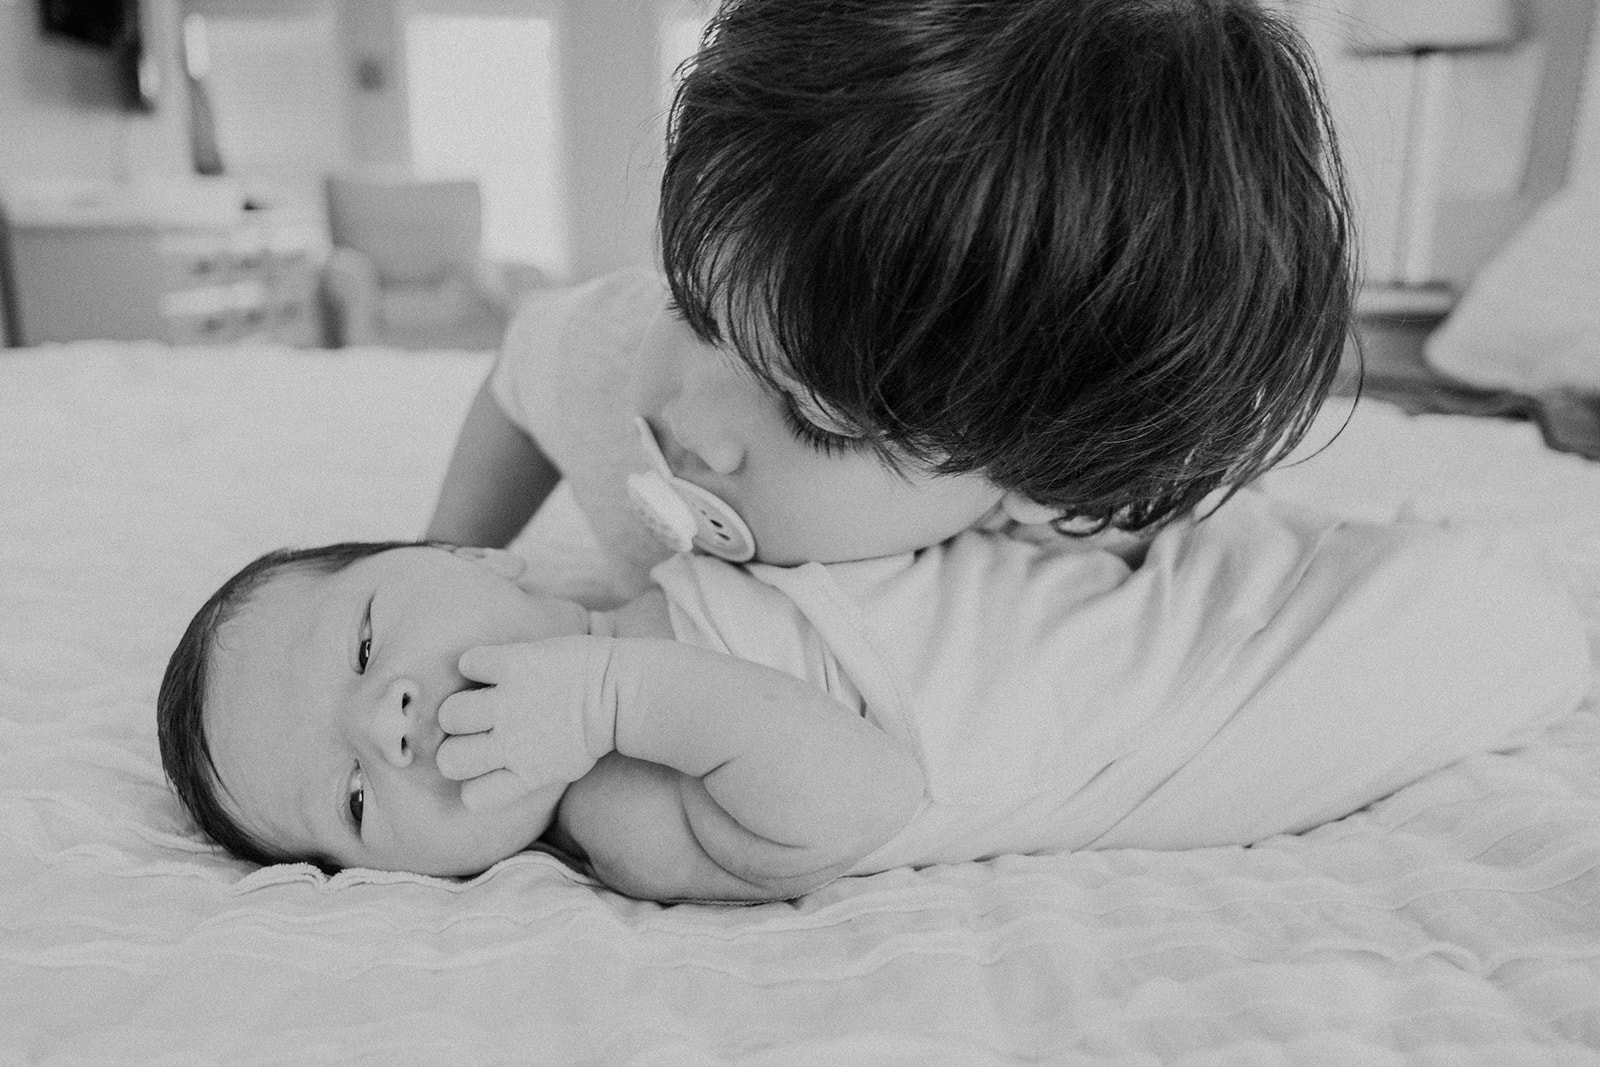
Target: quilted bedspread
1454, 922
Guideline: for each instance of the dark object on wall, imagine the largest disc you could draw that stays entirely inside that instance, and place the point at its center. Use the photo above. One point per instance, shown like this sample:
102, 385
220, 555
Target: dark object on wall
101, 23
372, 74
114, 26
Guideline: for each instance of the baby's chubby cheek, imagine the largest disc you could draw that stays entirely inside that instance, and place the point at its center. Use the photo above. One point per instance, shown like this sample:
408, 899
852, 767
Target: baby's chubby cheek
537, 617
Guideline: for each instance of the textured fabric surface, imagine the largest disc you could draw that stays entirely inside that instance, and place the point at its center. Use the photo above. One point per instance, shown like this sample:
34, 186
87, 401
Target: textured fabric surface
1529, 320
1454, 922
1262, 672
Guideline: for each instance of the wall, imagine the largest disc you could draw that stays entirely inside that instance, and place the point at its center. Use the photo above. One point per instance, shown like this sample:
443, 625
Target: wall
372, 41
1512, 123
612, 126
613, 133
60, 116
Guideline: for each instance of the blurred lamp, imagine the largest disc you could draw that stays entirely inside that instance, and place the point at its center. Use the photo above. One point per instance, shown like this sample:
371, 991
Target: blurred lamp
1427, 33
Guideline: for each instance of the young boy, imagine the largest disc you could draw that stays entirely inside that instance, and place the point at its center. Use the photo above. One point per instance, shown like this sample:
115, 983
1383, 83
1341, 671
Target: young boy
936, 264
751, 733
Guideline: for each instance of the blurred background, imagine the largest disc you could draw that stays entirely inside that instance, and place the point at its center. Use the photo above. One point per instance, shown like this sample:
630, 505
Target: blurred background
464, 151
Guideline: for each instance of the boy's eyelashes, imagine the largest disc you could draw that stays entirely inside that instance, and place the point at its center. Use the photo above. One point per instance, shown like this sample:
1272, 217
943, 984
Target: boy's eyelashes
810, 421
702, 326
824, 441
807, 422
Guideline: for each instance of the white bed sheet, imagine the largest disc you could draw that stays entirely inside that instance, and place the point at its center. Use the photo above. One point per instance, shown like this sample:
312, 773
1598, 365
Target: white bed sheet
1455, 922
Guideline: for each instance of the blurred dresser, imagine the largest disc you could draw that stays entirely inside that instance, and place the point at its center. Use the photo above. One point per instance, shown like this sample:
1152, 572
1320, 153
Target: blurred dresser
181, 266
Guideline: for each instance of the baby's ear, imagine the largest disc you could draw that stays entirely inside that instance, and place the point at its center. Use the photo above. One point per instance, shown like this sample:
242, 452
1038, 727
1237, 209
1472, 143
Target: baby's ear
1026, 511
506, 564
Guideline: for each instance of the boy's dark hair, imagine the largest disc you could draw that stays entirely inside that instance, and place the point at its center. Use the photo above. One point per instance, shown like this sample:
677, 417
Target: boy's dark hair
1097, 250
180, 704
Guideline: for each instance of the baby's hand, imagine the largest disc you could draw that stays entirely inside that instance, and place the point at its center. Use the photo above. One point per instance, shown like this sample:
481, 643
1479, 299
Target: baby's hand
544, 718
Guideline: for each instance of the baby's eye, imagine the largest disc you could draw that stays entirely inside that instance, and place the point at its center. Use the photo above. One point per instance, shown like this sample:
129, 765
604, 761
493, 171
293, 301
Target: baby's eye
364, 642
358, 796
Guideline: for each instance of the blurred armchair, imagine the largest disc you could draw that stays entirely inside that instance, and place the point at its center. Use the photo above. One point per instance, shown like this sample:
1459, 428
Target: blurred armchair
407, 267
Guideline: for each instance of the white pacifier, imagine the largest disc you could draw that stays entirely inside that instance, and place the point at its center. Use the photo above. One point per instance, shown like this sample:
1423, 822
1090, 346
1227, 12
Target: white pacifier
683, 515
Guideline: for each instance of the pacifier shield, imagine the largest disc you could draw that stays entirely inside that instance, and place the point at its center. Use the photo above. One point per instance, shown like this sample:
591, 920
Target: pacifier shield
683, 515
662, 511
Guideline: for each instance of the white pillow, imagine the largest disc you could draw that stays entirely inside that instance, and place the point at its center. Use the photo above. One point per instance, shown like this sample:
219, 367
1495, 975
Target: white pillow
1530, 320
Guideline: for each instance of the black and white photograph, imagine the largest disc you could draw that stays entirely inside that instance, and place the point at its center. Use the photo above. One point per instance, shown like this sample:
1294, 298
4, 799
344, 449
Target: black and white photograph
773, 533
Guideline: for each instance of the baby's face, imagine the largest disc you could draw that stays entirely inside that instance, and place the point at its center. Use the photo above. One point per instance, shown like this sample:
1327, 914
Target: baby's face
807, 491
322, 711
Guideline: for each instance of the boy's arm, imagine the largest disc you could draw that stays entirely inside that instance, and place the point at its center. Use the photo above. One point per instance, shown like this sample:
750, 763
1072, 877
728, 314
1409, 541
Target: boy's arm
496, 480
739, 782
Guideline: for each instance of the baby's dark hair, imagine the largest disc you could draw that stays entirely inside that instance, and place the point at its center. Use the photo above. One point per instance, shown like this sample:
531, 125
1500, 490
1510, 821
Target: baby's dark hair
1097, 250
180, 704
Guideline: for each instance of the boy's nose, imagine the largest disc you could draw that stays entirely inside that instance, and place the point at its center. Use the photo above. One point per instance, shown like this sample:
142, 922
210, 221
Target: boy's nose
703, 432
395, 724
684, 389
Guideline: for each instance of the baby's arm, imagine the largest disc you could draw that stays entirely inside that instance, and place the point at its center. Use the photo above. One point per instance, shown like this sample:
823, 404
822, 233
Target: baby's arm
726, 779
496, 480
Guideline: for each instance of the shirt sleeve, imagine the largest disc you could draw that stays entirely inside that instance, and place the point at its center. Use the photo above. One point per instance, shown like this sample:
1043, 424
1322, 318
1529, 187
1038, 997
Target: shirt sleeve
722, 607
531, 346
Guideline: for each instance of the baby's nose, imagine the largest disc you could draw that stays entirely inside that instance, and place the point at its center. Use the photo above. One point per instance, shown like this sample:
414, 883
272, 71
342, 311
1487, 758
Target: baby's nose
397, 725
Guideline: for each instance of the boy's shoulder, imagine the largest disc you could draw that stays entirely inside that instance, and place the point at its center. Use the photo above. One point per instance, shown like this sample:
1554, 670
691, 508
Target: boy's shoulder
636, 292
604, 318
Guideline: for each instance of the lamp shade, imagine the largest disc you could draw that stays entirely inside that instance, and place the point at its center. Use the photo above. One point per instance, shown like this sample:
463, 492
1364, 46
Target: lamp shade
1391, 27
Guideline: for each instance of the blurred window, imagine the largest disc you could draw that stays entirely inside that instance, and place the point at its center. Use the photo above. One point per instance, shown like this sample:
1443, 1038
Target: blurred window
484, 99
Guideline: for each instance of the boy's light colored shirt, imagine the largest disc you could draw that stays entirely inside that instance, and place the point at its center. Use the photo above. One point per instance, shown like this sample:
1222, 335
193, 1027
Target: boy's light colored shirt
566, 376
1260, 672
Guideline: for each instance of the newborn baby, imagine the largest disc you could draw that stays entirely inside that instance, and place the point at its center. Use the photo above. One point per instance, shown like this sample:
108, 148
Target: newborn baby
751, 732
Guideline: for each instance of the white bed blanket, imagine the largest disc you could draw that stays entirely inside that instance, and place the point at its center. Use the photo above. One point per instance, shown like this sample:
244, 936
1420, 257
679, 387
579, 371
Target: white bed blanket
1456, 922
